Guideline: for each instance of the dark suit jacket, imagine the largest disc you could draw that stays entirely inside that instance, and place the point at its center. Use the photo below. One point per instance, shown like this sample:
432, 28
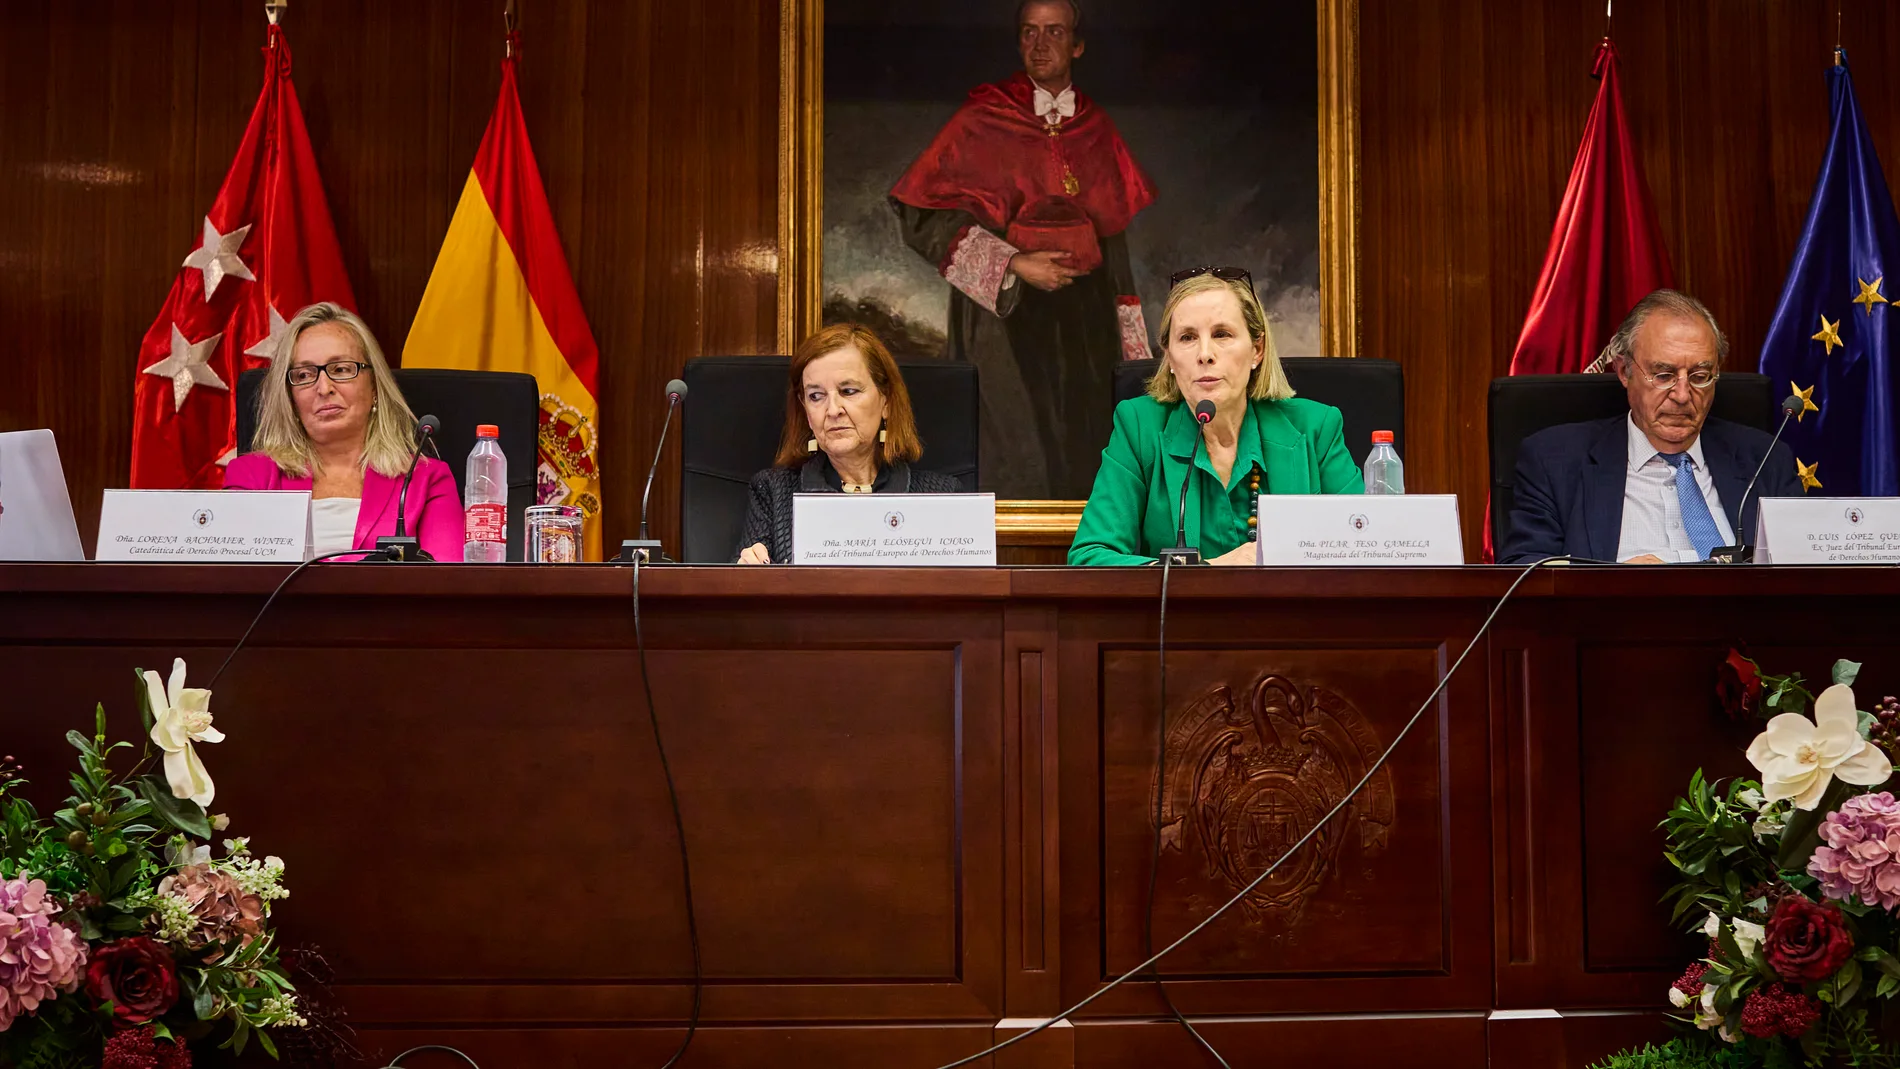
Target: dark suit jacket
769, 517
1570, 479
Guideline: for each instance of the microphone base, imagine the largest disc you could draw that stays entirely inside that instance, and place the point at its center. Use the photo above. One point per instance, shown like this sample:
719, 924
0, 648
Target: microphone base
401, 550
1182, 555
1743, 554
645, 550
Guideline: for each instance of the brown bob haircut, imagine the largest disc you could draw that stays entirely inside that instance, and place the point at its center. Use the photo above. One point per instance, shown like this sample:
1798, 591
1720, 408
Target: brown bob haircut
900, 427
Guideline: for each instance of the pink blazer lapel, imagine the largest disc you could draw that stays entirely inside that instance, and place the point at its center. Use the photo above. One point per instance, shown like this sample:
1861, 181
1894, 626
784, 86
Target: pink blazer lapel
377, 514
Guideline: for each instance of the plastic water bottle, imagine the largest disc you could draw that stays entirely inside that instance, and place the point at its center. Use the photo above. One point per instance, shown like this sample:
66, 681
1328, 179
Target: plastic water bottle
485, 500
1384, 473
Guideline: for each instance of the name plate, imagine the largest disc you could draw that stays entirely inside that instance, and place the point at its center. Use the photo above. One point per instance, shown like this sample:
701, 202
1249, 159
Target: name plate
894, 530
1317, 530
1828, 530
249, 526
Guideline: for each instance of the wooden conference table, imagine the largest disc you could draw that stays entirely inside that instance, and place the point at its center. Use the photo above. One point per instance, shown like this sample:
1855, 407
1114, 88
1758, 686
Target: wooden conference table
919, 802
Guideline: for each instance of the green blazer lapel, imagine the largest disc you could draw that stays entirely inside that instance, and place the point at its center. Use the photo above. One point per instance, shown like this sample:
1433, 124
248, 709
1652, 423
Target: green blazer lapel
1179, 447
1284, 452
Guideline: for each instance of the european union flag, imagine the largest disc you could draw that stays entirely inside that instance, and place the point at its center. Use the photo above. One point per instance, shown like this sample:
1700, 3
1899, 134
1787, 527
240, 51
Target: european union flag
1831, 340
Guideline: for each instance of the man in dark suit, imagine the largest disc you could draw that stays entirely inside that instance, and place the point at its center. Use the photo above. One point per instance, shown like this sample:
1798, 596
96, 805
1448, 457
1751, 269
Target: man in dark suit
1663, 484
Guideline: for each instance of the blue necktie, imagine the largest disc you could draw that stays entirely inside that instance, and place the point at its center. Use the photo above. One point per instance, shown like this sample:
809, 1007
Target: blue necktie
1696, 519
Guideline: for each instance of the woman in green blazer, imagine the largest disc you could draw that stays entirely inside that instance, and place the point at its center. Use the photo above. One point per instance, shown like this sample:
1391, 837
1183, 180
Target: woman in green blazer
1261, 439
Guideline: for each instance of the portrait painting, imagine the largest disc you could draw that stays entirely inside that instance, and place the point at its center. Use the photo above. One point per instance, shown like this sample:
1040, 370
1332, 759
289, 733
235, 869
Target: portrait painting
1014, 185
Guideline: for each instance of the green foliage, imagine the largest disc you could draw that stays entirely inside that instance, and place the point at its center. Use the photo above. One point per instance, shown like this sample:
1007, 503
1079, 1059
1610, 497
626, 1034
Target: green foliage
1684, 1052
1712, 844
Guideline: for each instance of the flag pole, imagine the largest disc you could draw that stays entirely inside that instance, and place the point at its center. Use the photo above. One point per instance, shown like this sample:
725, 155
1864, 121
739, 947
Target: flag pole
508, 21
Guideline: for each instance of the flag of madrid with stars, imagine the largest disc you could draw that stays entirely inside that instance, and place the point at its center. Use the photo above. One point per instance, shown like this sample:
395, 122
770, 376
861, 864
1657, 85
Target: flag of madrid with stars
267, 249
1831, 341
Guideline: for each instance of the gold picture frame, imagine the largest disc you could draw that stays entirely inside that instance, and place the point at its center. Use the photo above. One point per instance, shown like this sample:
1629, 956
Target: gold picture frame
801, 186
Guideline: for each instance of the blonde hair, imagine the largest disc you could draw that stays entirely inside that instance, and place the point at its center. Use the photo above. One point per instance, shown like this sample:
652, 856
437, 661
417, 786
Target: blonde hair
1268, 381
389, 439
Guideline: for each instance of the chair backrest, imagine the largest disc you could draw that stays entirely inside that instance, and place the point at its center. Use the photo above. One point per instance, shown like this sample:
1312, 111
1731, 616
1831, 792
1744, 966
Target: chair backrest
1370, 394
735, 411
462, 400
1522, 405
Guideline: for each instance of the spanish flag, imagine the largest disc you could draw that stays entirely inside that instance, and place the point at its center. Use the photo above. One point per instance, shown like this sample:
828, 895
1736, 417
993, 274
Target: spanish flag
501, 299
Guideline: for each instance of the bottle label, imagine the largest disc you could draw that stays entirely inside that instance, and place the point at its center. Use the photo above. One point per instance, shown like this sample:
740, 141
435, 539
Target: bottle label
487, 522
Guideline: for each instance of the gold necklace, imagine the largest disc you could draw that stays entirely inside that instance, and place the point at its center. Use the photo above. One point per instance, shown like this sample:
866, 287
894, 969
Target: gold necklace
856, 488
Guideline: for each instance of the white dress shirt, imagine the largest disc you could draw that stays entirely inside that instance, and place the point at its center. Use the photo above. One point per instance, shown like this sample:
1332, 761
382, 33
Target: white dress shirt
1652, 511
333, 524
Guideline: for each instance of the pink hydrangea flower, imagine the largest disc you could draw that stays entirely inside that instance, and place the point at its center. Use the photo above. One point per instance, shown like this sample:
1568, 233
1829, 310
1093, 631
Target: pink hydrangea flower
40, 958
1860, 851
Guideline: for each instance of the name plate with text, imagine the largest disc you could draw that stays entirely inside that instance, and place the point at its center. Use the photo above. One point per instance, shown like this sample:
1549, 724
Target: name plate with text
247, 526
1316, 530
1828, 530
929, 530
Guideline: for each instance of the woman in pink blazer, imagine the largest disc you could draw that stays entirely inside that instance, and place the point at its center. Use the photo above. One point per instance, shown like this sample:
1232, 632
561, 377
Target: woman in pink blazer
347, 437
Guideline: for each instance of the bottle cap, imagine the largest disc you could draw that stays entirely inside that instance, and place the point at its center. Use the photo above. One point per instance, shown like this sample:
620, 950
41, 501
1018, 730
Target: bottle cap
489, 430
1381, 436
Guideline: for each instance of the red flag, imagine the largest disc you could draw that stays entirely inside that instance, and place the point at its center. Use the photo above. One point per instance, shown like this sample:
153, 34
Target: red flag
267, 249
1605, 250
1605, 254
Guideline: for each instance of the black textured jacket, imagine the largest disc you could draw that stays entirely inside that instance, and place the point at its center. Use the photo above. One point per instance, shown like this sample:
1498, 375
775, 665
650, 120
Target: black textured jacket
769, 518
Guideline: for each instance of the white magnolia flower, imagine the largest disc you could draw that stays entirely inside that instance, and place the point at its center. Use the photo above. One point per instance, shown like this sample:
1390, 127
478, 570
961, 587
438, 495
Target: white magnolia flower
1727, 1036
1748, 936
181, 716
1713, 926
1798, 758
1677, 998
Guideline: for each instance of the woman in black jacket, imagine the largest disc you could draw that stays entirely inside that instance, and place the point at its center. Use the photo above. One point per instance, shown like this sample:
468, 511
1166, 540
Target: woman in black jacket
848, 429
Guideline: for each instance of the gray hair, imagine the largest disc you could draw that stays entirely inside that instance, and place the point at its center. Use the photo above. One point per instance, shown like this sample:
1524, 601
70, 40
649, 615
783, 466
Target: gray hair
1622, 346
280, 431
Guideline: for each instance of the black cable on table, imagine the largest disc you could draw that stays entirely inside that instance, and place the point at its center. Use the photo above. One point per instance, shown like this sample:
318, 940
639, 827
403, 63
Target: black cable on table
1371, 771
365, 554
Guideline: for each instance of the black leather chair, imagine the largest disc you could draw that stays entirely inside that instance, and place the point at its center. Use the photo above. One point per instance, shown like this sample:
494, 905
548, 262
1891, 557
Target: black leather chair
462, 400
1522, 405
1370, 394
735, 411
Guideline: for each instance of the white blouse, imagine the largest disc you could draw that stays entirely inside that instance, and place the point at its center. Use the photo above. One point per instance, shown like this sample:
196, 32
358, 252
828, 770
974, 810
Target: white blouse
333, 524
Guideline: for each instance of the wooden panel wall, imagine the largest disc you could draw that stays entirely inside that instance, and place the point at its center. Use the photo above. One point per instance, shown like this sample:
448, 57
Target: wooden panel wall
655, 128
117, 122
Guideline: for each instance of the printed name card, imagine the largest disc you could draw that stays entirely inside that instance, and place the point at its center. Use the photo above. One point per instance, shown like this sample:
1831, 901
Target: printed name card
930, 530
1315, 530
1828, 530
250, 526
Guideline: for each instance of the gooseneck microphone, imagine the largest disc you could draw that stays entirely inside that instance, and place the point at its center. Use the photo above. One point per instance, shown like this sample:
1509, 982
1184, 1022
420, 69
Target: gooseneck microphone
404, 546
1182, 553
646, 547
1742, 552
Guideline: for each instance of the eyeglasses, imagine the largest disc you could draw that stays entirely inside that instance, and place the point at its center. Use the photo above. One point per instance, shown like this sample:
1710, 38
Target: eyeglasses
1701, 378
1228, 274
339, 371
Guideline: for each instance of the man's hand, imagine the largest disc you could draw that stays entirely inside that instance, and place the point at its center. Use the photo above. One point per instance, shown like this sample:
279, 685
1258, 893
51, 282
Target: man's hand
1647, 558
1048, 271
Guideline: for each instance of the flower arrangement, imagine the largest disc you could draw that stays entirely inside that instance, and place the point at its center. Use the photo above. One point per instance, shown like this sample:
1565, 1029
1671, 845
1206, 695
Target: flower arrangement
123, 940
1794, 880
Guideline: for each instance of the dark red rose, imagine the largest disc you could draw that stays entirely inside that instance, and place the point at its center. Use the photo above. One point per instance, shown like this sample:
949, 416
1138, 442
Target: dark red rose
1806, 941
1738, 686
136, 975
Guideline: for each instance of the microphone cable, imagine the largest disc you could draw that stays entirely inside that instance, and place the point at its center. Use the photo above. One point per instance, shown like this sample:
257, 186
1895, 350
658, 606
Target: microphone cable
1161, 787
679, 827
396, 1062
364, 554
1372, 770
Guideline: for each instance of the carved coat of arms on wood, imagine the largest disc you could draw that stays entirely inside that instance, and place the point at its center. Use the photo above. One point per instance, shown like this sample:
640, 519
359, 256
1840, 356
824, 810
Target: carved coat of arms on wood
1246, 779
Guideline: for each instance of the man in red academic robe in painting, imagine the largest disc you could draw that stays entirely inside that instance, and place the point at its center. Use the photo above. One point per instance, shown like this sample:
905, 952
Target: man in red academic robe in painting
1021, 203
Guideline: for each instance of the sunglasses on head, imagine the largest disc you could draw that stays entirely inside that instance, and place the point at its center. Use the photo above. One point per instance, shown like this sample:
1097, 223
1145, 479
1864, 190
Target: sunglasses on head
1228, 274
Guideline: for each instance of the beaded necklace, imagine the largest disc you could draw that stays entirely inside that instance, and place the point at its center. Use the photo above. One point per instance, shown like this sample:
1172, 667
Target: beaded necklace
1253, 496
